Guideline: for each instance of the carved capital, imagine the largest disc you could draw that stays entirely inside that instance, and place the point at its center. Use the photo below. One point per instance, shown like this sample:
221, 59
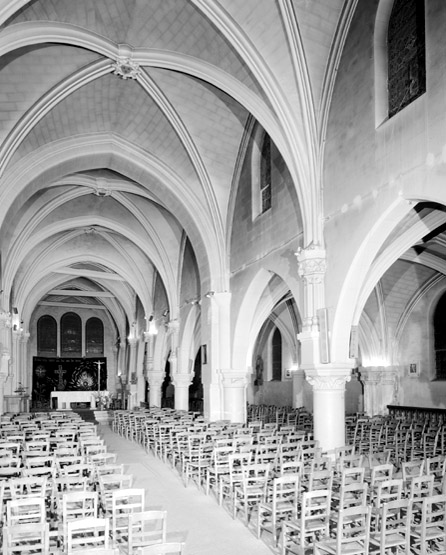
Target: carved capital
371, 375
182, 380
155, 379
132, 342
311, 263
328, 378
234, 378
5, 319
24, 337
173, 326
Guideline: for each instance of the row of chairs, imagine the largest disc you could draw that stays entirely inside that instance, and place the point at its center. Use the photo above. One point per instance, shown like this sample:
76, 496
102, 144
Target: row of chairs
90, 506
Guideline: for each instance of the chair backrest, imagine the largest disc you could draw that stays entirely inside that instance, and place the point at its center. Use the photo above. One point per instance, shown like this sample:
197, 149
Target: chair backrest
84, 535
25, 511
412, 468
145, 528
28, 487
79, 504
26, 538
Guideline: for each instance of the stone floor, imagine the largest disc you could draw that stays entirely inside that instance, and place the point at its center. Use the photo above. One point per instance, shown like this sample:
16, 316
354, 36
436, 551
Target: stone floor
192, 517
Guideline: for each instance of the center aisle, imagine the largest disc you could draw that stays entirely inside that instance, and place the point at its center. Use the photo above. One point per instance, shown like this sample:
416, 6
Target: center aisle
192, 517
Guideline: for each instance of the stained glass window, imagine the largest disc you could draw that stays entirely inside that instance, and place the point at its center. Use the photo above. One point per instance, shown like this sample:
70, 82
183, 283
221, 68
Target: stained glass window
265, 174
277, 355
406, 54
71, 334
94, 334
46, 335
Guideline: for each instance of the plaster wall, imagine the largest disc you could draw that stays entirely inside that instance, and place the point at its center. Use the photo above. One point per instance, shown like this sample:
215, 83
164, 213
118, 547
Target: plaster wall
366, 169
417, 346
269, 241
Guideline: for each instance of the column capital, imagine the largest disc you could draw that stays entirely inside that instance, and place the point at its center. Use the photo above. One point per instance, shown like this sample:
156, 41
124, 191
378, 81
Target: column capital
371, 374
5, 319
182, 380
311, 263
234, 378
331, 378
173, 326
24, 336
155, 378
4, 364
132, 342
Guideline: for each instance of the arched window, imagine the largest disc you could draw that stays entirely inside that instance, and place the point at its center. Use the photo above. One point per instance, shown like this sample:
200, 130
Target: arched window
277, 355
440, 338
46, 335
94, 336
71, 335
265, 174
406, 54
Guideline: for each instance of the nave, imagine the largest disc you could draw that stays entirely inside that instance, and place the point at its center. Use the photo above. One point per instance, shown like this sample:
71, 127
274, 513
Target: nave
192, 517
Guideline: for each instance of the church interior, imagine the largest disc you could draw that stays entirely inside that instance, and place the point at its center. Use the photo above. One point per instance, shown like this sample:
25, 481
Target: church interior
223, 206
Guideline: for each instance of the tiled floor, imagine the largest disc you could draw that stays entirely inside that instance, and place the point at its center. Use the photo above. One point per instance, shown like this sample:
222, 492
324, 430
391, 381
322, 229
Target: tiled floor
192, 517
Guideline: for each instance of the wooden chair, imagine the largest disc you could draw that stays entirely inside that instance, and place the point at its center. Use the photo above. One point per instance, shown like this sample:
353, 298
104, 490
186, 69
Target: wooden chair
124, 503
252, 489
429, 534
110, 483
146, 528
313, 522
228, 482
86, 535
218, 467
394, 530
169, 548
283, 505
352, 534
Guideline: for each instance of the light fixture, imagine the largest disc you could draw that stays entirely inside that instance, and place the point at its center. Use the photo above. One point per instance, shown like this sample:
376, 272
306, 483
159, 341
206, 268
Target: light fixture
166, 312
210, 294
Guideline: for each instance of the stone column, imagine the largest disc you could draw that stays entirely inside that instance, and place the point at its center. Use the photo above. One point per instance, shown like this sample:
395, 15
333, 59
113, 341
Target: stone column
371, 378
24, 374
389, 388
132, 358
4, 370
298, 377
379, 386
182, 383
329, 404
156, 379
121, 369
234, 385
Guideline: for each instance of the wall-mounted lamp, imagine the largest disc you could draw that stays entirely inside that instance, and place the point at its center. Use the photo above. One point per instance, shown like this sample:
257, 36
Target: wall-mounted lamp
210, 294
166, 312
195, 301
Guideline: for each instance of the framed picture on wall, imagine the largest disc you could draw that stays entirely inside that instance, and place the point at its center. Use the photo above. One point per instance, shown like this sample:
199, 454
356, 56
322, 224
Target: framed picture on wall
414, 369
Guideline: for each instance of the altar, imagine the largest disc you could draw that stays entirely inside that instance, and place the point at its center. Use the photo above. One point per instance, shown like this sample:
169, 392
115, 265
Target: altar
62, 400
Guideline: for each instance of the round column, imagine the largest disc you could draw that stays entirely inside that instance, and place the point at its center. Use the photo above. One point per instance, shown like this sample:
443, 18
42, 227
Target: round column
182, 383
329, 405
156, 381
